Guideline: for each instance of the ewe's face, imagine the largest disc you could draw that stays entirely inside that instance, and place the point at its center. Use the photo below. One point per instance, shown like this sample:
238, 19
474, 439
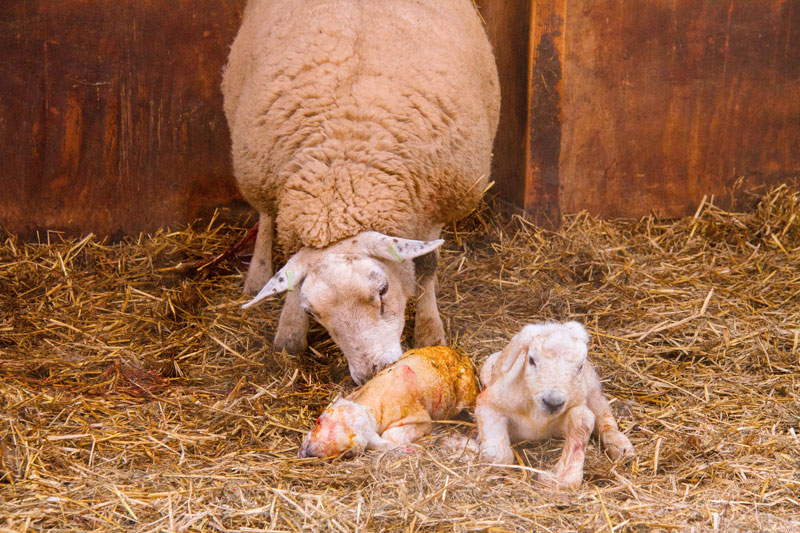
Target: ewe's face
361, 301
334, 433
554, 371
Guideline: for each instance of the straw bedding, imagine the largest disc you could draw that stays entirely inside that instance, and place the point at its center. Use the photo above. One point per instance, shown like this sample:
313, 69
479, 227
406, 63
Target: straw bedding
137, 395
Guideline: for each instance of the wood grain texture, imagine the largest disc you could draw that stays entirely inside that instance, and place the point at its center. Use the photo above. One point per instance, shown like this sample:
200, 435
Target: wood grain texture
666, 102
543, 129
111, 119
111, 113
508, 25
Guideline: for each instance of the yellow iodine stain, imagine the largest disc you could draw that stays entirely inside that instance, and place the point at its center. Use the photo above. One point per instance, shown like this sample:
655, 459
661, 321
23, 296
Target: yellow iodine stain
457, 385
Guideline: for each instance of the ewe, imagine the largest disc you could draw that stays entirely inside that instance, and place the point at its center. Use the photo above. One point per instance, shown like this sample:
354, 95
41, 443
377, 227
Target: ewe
359, 129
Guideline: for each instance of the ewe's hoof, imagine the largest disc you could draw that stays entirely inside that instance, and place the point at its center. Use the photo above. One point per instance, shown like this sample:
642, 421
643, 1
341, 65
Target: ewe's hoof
429, 333
293, 345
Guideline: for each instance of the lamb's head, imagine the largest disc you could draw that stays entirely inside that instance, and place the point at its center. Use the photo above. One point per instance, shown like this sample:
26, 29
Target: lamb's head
357, 289
549, 361
343, 427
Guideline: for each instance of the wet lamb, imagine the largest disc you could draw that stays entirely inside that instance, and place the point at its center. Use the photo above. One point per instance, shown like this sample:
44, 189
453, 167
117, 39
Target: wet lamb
397, 406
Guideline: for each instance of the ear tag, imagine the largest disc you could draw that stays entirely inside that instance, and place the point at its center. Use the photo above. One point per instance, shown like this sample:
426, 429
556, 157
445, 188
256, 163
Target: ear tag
393, 253
290, 280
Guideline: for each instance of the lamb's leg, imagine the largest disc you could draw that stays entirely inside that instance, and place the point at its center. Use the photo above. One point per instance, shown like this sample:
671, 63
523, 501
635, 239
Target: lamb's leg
493, 433
260, 269
568, 472
292, 330
408, 429
428, 327
615, 442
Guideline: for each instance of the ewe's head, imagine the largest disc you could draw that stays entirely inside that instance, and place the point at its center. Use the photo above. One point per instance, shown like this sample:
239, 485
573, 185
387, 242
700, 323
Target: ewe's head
550, 359
342, 427
357, 289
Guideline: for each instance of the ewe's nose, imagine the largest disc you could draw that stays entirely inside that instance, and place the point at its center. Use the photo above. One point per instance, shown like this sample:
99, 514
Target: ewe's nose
553, 401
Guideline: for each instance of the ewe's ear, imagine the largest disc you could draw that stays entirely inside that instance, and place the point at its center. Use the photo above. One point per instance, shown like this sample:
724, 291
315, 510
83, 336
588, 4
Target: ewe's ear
394, 248
577, 331
288, 278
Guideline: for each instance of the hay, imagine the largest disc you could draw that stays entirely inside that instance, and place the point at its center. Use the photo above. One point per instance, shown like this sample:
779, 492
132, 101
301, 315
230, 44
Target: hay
139, 396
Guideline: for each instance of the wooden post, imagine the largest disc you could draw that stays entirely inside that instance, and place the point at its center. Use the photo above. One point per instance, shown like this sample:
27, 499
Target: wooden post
528, 41
543, 125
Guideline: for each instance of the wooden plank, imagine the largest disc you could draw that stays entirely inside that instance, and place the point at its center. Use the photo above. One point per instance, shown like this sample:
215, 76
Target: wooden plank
111, 113
507, 25
668, 101
543, 126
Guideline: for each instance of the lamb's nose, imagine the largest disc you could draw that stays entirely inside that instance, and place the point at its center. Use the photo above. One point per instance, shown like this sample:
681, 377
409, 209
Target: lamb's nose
302, 453
553, 402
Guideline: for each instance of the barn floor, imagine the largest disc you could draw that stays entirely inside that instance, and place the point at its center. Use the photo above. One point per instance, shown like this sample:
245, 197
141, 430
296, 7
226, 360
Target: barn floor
139, 396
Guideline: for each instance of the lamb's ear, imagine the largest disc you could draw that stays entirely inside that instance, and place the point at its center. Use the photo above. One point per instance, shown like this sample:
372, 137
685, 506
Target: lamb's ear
395, 248
577, 331
514, 356
288, 278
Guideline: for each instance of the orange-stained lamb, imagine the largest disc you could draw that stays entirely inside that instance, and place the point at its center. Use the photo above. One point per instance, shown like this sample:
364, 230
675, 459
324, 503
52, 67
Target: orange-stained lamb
397, 406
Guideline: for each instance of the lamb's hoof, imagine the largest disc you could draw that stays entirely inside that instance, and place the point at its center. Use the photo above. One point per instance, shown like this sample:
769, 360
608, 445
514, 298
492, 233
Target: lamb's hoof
558, 481
497, 455
293, 344
618, 446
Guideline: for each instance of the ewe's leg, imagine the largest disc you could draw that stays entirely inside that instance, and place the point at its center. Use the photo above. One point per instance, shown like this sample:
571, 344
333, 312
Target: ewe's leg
493, 434
260, 269
615, 442
292, 326
569, 469
428, 328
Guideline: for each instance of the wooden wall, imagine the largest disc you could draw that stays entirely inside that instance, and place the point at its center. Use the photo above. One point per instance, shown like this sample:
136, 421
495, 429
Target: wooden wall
635, 106
111, 120
111, 114
669, 101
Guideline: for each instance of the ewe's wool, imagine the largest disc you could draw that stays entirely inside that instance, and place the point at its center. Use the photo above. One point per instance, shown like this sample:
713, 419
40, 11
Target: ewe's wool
349, 116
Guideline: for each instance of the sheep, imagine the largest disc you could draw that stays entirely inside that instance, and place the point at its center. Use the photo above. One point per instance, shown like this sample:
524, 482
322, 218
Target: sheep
397, 406
542, 385
359, 129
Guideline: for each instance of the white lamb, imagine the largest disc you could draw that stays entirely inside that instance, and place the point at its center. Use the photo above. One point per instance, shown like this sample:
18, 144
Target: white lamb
542, 385
359, 129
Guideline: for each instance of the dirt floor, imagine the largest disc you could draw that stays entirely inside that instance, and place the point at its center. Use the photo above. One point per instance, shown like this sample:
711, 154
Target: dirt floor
136, 395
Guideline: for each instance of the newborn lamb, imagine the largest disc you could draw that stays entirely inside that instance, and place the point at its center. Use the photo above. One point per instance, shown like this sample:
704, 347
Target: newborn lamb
397, 406
542, 385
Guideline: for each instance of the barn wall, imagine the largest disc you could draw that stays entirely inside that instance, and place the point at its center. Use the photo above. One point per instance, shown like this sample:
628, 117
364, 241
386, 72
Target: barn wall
111, 118
665, 102
112, 114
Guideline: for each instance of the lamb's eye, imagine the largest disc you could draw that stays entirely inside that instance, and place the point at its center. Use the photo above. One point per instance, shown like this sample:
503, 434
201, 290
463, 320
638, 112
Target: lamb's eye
531, 361
308, 311
580, 368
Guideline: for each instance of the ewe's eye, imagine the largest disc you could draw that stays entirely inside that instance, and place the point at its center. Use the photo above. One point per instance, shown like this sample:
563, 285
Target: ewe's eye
382, 290
531, 361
